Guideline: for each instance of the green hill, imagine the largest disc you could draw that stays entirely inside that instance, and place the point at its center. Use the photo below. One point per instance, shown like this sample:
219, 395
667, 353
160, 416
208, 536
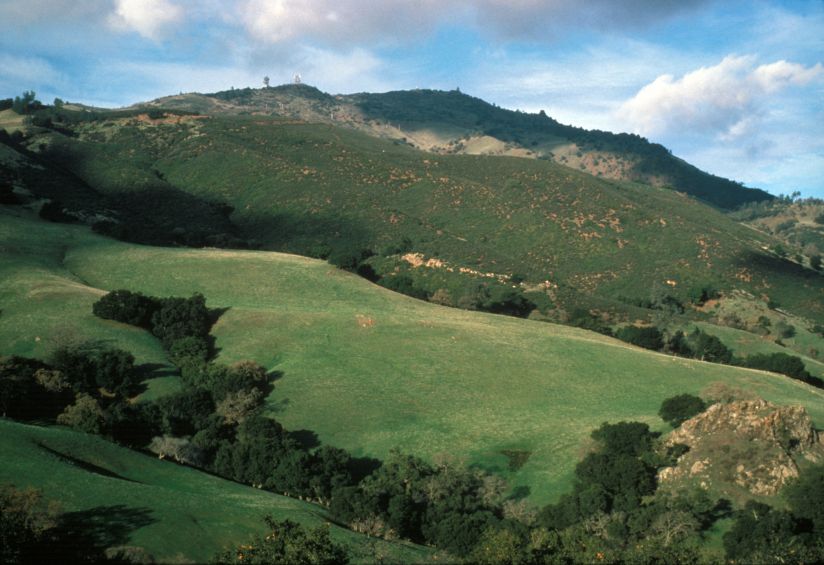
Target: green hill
453, 122
314, 189
365, 368
175, 513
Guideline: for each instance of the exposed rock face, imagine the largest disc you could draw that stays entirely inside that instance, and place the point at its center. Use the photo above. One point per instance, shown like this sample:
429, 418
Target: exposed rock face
753, 444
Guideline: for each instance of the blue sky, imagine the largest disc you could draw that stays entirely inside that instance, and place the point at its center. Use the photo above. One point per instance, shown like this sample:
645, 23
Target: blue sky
736, 88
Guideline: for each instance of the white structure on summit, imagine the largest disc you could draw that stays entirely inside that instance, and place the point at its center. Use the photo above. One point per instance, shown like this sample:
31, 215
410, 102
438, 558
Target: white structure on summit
297, 78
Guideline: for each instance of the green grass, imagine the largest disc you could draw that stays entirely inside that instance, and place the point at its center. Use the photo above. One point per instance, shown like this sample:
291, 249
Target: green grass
176, 513
370, 370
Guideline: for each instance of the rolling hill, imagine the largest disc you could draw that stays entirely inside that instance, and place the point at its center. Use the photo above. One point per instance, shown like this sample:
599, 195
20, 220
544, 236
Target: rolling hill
456, 123
365, 368
175, 513
315, 189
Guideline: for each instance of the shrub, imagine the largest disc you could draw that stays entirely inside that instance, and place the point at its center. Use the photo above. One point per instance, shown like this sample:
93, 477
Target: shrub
778, 363
288, 542
89, 366
191, 349
648, 338
181, 317
678, 409
678, 344
624, 438
128, 307
349, 258
84, 415
709, 348
584, 319
785, 330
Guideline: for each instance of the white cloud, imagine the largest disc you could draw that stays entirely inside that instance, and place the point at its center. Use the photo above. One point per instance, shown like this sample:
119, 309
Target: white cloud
356, 21
338, 21
726, 99
149, 18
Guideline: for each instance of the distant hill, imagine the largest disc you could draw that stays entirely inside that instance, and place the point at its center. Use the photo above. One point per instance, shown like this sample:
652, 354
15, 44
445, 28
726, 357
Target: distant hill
455, 123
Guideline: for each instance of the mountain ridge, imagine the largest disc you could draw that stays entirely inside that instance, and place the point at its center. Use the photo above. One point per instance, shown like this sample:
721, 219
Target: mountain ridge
451, 122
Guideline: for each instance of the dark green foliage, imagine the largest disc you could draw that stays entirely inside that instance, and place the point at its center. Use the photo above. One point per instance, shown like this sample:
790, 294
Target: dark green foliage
501, 299
583, 318
620, 479
763, 534
815, 261
288, 543
185, 412
132, 424
806, 498
709, 348
759, 531
178, 318
404, 285
649, 338
679, 345
785, 330
90, 366
16, 384
128, 307
778, 363
624, 438
154, 215
190, 350
702, 293
25, 524
614, 478
7, 195
517, 278
678, 409
444, 506
349, 257
26, 103
55, 211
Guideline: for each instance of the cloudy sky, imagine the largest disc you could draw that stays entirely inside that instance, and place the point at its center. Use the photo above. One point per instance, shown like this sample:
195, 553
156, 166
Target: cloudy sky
736, 88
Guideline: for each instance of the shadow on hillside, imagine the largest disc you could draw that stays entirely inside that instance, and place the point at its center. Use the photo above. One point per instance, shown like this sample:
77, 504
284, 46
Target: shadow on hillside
314, 235
84, 536
771, 264
85, 465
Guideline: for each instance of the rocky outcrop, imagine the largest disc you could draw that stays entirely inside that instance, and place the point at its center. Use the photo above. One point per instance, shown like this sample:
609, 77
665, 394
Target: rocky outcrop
752, 444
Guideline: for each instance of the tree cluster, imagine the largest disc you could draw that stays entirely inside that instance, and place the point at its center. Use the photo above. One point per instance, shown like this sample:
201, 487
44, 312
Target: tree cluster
288, 543
762, 534
181, 324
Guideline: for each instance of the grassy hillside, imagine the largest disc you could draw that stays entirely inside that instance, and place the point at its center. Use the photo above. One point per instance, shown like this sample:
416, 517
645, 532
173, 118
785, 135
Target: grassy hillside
453, 122
368, 369
312, 188
176, 513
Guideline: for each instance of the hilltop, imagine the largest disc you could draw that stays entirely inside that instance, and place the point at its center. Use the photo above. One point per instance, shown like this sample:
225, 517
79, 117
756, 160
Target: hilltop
451, 122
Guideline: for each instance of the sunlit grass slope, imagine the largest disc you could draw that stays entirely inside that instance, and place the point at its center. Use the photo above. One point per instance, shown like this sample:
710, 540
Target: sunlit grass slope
370, 370
176, 513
